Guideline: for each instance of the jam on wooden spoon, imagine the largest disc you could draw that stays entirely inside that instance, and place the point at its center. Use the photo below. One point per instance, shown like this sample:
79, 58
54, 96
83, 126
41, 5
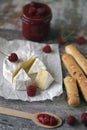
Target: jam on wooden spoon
44, 119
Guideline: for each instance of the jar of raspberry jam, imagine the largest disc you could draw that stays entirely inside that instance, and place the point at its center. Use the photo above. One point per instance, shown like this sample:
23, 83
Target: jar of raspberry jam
36, 21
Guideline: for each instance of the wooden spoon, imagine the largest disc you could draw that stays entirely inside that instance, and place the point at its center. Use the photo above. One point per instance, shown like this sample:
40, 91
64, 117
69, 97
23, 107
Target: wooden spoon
33, 117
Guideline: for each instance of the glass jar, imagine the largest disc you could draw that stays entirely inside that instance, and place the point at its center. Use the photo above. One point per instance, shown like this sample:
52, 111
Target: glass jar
36, 27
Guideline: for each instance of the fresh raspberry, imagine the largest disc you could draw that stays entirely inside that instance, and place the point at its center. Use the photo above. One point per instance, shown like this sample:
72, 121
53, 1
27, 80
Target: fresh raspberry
47, 49
31, 90
13, 57
81, 40
61, 41
84, 118
71, 120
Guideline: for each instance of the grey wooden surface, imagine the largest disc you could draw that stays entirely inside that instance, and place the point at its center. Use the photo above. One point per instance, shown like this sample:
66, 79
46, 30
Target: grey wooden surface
58, 106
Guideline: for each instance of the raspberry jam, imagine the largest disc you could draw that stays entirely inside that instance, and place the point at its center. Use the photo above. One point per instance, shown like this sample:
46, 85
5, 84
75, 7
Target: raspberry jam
47, 119
36, 21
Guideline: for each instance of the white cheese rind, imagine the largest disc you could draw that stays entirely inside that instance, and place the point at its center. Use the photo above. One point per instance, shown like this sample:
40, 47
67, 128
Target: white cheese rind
21, 80
43, 79
9, 68
38, 64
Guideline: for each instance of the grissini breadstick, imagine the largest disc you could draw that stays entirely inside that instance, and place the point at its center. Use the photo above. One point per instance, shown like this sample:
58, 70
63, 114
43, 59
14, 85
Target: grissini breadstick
76, 73
72, 91
81, 60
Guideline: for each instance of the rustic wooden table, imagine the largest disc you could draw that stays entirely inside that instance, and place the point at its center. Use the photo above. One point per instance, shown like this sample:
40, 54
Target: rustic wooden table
58, 106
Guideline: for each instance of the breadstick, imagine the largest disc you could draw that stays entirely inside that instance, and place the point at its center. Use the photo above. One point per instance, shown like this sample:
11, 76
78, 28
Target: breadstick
72, 91
76, 73
81, 60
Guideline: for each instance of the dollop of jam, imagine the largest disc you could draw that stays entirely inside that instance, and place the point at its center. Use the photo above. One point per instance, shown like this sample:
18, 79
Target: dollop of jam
47, 119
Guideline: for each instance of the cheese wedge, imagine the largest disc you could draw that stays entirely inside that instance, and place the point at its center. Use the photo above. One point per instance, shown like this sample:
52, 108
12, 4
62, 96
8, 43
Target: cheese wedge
25, 65
38, 64
43, 79
21, 80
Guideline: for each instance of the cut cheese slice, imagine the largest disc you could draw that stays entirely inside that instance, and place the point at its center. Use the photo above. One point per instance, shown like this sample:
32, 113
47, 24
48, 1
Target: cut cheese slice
38, 64
43, 79
21, 80
25, 65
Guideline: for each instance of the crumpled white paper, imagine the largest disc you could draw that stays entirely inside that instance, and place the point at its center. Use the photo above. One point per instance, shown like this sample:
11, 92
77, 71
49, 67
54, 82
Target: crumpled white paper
51, 60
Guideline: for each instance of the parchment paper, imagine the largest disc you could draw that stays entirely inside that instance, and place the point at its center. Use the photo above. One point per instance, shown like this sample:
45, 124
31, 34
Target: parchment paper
51, 60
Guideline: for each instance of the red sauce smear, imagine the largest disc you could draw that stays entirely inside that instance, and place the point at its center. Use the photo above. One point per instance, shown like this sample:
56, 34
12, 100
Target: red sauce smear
47, 119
